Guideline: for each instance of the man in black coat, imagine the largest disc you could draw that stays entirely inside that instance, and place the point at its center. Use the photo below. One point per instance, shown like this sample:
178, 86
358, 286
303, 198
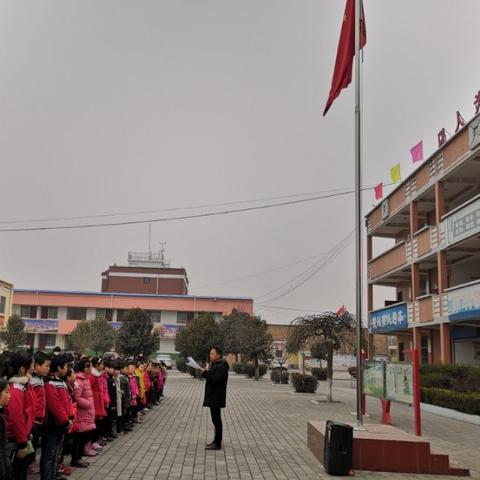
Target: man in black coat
216, 375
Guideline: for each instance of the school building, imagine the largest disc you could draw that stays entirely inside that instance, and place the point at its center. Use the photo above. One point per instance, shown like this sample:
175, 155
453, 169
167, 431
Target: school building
424, 242
6, 297
50, 315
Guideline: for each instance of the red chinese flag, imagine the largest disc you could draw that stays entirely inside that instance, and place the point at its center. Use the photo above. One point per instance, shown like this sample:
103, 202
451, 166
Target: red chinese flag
379, 191
342, 75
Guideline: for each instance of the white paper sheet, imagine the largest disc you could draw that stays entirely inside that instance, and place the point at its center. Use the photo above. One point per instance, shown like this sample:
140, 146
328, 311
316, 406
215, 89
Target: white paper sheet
192, 363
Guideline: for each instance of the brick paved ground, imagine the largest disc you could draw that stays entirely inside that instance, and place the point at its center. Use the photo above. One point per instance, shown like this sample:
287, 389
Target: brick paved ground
265, 436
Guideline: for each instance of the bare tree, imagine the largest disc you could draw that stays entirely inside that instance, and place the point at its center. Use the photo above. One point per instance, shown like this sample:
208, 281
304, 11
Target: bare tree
328, 329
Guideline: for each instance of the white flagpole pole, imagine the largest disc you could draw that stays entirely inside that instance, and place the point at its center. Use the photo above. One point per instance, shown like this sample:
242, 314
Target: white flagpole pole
358, 213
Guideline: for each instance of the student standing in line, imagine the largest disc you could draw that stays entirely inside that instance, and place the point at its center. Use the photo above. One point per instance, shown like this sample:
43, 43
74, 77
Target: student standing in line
19, 412
6, 472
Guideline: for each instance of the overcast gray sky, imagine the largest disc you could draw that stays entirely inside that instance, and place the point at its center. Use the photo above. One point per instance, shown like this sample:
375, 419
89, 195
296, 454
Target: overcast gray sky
113, 106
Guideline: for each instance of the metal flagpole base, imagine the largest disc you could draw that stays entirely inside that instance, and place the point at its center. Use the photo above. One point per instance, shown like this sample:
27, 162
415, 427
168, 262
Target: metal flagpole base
360, 428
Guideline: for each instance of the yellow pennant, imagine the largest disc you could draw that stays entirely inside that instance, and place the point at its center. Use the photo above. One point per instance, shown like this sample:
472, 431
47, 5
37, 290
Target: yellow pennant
395, 173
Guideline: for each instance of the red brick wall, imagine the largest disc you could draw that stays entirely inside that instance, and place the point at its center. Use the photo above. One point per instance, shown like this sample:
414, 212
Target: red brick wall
166, 286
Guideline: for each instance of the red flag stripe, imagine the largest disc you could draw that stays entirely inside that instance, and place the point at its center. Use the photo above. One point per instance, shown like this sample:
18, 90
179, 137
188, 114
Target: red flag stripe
342, 74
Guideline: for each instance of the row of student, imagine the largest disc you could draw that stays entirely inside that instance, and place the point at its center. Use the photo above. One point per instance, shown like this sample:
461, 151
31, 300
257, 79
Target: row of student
58, 407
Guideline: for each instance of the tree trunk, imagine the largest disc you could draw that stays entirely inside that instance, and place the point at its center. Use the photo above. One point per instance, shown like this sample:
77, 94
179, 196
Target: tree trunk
329, 373
257, 370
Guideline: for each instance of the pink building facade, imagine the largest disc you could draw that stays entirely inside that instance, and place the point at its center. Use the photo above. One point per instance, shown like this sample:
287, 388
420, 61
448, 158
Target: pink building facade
50, 316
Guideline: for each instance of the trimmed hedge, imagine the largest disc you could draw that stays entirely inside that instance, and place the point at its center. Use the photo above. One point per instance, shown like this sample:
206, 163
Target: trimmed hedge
181, 365
352, 371
249, 370
279, 375
466, 402
319, 373
304, 383
237, 368
460, 378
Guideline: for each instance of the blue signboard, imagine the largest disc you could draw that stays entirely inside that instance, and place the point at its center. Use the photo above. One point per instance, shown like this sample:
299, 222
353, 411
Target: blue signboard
389, 319
464, 303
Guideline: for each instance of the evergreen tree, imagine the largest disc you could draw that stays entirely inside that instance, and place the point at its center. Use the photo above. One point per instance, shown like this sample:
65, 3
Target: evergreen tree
136, 335
14, 333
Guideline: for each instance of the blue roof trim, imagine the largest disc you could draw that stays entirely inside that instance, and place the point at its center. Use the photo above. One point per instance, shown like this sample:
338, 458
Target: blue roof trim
120, 294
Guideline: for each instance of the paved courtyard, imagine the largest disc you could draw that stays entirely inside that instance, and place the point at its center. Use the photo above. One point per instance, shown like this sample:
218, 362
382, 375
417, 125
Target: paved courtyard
265, 436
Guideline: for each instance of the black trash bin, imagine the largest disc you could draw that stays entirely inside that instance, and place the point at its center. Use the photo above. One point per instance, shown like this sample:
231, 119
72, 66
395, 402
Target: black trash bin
338, 449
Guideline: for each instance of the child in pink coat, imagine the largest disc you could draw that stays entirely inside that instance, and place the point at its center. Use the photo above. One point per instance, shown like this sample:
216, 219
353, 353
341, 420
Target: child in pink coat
85, 421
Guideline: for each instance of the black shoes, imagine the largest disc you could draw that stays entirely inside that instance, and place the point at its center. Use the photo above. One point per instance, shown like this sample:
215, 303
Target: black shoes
212, 446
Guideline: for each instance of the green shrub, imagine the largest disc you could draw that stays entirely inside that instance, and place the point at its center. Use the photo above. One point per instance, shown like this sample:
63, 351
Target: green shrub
279, 375
436, 380
352, 371
304, 383
461, 378
249, 370
237, 368
319, 373
466, 402
181, 365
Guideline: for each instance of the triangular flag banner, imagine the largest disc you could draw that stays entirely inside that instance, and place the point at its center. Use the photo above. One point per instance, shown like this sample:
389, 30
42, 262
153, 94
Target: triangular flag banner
341, 310
417, 152
395, 173
379, 191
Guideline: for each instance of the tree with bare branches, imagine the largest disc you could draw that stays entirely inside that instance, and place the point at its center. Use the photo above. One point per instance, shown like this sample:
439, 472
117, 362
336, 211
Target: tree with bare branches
328, 329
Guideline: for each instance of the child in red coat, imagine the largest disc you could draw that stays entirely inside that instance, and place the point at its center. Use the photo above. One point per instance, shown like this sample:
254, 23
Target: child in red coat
59, 416
19, 411
41, 362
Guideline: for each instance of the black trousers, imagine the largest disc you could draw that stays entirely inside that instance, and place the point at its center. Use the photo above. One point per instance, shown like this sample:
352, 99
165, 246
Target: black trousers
216, 414
79, 440
52, 442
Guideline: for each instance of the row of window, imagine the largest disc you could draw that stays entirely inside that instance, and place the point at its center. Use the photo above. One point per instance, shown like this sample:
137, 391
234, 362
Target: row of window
80, 313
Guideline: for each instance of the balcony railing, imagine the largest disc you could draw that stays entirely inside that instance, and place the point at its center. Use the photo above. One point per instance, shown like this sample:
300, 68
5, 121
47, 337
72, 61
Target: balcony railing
388, 261
422, 242
427, 308
463, 301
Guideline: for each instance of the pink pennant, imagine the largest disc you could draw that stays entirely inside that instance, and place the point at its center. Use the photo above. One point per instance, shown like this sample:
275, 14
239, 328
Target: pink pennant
417, 152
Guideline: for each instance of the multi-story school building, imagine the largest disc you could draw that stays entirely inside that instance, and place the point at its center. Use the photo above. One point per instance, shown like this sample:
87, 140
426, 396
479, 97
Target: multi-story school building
431, 256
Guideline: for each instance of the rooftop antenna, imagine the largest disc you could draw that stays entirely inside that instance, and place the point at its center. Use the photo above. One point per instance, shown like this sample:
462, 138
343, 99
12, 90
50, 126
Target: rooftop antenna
150, 238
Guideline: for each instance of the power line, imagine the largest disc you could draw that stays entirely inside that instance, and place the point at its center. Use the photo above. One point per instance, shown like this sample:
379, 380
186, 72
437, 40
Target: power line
338, 191
309, 272
172, 209
275, 307
169, 219
264, 272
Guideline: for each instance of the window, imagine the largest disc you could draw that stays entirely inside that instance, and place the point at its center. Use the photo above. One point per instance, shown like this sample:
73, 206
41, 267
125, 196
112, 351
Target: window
156, 316
147, 280
182, 318
26, 311
50, 340
100, 313
3, 301
52, 312
76, 313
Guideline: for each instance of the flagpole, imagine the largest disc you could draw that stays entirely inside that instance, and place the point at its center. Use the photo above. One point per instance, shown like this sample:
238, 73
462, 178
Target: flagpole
358, 214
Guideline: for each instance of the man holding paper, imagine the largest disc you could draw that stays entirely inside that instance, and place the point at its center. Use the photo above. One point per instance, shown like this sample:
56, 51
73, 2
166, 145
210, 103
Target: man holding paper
216, 375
